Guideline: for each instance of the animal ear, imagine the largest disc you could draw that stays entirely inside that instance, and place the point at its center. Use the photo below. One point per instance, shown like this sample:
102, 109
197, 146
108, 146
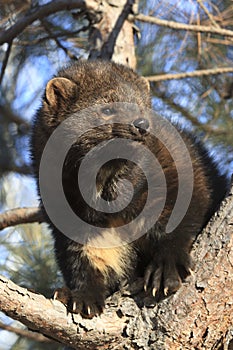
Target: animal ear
60, 90
146, 83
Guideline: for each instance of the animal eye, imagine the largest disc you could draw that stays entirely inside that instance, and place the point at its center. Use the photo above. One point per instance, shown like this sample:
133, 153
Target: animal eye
108, 111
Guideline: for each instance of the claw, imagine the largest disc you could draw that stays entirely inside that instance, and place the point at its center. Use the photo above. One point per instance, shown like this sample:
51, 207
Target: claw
55, 295
145, 288
191, 272
165, 291
88, 310
74, 306
154, 290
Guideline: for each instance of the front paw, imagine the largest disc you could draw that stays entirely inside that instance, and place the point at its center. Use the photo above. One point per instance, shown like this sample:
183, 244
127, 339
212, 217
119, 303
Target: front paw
87, 303
167, 270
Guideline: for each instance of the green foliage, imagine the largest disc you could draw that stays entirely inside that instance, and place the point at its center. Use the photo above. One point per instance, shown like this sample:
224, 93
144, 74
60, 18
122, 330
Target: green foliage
30, 259
200, 103
30, 262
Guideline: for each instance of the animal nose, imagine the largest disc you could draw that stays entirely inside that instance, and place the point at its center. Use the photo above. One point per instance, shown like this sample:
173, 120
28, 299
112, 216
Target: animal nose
142, 124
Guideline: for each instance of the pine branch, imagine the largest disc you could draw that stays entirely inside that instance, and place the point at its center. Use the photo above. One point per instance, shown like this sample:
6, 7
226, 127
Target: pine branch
196, 73
183, 26
19, 216
25, 333
41, 12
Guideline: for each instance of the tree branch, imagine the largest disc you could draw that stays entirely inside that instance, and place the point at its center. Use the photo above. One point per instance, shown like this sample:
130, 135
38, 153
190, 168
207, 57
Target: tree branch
198, 316
196, 73
183, 26
12, 117
50, 318
25, 333
109, 46
20, 216
112, 37
61, 5
21, 169
43, 11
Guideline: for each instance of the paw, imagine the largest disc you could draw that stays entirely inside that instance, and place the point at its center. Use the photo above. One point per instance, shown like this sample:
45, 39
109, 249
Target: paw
83, 302
167, 271
87, 303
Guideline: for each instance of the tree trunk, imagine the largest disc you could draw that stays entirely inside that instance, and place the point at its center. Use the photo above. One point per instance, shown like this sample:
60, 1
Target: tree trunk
112, 36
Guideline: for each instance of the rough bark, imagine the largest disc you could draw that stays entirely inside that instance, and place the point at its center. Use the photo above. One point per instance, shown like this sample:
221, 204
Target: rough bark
198, 316
49, 317
112, 36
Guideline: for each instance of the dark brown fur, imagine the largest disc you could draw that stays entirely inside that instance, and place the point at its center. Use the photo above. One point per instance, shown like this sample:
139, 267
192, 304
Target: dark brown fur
90, 272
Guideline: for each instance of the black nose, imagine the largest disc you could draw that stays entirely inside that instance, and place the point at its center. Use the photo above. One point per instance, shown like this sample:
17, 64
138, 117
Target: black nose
142, 124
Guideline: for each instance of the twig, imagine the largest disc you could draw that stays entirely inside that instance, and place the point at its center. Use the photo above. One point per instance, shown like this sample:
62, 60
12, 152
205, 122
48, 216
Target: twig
198, 38
182, 26
204, 8
219, 41
66, 34
196, 73
20, 169
43, 11
4, 63
19, 216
